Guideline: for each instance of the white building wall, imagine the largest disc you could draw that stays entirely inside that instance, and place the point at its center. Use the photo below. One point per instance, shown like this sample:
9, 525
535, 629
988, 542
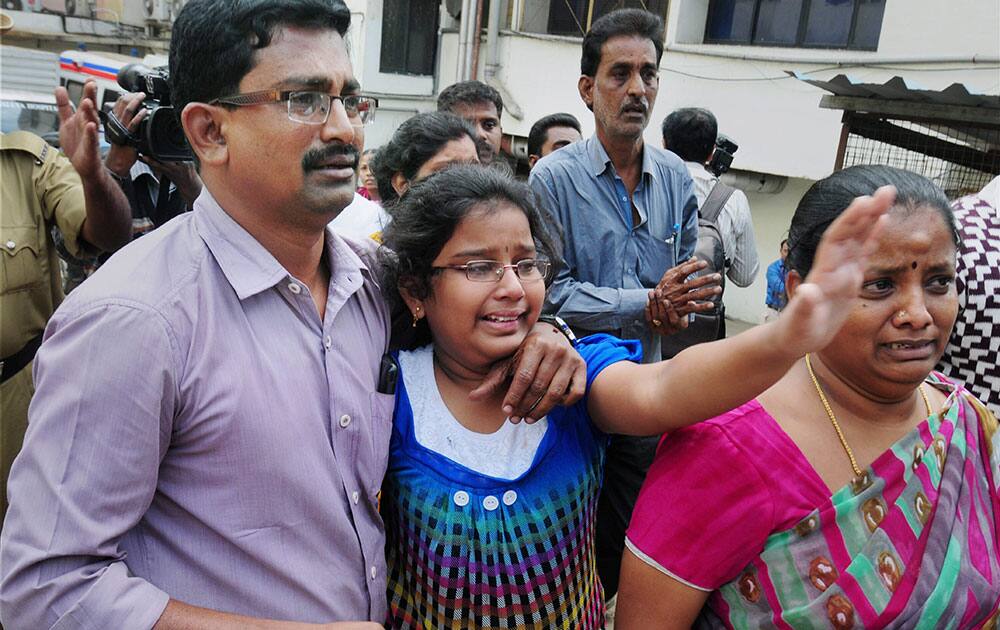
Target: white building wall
772, 214
775, 119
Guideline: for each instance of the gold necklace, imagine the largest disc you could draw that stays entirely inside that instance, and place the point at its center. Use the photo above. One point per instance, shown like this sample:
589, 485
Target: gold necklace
833, 418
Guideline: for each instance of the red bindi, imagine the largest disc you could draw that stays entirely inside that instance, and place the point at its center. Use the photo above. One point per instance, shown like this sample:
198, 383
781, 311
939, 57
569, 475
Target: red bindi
913, 265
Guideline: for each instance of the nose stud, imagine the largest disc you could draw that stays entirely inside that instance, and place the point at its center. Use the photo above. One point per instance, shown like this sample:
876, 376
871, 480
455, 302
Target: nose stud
901, 315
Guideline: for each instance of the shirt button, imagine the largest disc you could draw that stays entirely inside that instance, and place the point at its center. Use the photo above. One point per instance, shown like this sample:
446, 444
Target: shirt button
461, 498
509, 497
345, 420
374, 572
491, 503
327, 342
294, 288
11, 244
355, 496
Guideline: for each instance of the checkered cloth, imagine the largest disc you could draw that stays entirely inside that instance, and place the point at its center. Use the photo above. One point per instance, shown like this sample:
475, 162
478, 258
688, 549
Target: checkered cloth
974, 347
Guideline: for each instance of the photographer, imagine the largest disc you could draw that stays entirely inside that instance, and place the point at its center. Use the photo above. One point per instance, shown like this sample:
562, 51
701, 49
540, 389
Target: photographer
157, 191
692, 133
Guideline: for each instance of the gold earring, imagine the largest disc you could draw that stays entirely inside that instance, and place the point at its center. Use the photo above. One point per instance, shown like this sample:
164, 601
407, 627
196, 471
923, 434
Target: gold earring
416, 318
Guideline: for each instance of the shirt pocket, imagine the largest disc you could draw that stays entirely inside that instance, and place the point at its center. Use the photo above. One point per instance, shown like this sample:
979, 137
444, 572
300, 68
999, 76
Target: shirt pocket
656, 255
383, 406
22, 269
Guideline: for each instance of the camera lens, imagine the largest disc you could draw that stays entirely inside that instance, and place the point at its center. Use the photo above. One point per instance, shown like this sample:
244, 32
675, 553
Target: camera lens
133, 77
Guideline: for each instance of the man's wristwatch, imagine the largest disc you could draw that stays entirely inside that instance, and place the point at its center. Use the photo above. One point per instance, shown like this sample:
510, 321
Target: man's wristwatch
563, 327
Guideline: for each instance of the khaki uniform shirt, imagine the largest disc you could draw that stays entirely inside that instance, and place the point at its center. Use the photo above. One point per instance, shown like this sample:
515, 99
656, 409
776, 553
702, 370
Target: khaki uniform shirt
40, 189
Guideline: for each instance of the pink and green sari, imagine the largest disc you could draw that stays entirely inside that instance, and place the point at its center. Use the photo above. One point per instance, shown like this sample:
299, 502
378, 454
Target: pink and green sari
913, 543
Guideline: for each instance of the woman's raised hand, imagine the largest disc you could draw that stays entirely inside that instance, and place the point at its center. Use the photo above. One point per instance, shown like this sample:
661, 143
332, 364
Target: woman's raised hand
820, 305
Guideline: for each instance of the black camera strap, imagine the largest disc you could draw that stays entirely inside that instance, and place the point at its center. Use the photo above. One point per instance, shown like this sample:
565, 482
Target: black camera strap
162, 197
115, 132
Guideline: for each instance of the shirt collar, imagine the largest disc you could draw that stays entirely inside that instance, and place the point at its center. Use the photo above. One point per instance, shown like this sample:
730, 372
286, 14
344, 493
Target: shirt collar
599, 160
697, 167
140, 168
247, 265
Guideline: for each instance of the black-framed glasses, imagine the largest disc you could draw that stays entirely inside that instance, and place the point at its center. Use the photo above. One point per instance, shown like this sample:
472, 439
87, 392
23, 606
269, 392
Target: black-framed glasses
310, 108
529, 269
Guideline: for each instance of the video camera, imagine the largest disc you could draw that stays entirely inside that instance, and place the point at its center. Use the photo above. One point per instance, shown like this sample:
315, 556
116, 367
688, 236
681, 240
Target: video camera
722, 159
160, 135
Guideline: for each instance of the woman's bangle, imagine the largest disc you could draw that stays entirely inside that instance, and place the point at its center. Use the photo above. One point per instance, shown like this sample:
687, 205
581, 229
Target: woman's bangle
563, 327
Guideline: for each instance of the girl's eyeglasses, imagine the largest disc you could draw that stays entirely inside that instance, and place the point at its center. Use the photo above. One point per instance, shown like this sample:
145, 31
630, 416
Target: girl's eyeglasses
528, 269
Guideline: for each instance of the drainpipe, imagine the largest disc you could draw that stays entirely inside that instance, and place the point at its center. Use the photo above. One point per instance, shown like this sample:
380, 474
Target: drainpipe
467, 54
491, 75
476, 37
463, 40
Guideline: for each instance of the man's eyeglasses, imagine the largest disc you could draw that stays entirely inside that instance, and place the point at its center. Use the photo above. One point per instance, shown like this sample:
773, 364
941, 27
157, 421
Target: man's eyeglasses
310, 108
528, 269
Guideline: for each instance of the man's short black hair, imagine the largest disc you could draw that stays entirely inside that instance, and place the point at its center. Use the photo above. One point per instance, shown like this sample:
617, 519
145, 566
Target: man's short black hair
623, 22
539, 130
213, 42
691, 133
470, 92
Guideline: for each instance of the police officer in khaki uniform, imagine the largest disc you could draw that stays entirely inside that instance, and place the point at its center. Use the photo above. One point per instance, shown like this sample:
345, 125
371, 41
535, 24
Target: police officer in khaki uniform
43, 189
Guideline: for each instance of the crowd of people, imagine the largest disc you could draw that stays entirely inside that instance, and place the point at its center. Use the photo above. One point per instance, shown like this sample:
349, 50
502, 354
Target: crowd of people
345, 387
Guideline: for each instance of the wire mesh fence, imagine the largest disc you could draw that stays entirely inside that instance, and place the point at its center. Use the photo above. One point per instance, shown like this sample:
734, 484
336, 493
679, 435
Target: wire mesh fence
961, 158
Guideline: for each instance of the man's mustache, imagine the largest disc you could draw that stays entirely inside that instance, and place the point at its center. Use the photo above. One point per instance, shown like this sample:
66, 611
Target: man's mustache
637, 104
319, 158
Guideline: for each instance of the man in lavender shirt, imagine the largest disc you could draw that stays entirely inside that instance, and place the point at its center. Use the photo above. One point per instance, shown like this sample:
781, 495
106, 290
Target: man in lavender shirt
207, 438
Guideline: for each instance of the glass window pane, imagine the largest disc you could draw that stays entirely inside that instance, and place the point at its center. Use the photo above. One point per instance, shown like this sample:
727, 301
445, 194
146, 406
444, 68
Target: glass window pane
421, 44
729, 20
393, 56
869, 24
778, 22
108, 102
568, 17
409, 36
829, 22
75, 89
657, 7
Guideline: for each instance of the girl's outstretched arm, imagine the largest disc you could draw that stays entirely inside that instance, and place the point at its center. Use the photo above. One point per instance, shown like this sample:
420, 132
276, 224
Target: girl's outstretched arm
708, 379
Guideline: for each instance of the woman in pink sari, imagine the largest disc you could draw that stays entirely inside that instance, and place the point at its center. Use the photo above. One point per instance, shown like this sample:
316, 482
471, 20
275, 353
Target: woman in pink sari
861, 490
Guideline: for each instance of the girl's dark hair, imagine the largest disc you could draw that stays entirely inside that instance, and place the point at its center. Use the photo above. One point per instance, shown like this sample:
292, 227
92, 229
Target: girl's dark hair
426, 217
828, 198
415, 142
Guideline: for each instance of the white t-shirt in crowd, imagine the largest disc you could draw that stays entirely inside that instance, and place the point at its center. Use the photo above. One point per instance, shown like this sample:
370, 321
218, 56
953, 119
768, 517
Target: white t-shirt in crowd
361, 219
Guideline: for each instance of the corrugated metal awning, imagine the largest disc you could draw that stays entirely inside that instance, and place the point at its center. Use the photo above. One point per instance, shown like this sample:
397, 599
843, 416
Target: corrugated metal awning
904, 94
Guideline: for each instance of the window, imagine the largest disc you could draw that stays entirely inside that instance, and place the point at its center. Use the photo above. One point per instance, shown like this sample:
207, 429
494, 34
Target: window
806, 23
409, 37
75, 90
574, 17
109, 99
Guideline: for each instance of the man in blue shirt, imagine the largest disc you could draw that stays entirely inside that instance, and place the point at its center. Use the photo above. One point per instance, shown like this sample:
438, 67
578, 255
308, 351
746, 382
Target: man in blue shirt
629, 214
776, 296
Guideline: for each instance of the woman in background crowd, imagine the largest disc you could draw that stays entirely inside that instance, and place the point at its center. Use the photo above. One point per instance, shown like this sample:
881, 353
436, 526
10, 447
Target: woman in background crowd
490, 523
424, 144
367, 186
861, 490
